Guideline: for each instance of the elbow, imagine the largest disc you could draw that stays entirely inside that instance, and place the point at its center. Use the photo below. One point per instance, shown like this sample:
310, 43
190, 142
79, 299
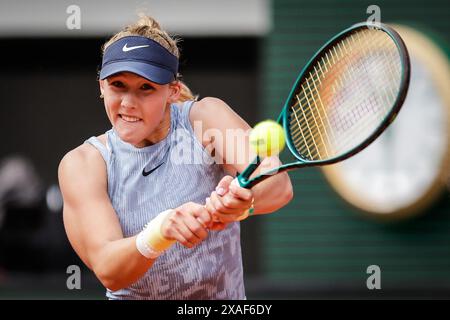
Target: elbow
115, 280
283, 195
289, 195
288, 191
111, 284
114, 287
107, 280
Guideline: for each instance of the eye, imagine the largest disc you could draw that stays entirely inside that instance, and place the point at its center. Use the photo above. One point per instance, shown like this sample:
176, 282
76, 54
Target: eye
147, 86
117, 84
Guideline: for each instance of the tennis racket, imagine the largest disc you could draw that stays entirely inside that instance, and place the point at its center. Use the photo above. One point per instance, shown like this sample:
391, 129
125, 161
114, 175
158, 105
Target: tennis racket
343, 99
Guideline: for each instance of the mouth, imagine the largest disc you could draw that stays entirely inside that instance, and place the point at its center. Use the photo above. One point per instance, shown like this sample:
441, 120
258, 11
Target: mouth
129, 119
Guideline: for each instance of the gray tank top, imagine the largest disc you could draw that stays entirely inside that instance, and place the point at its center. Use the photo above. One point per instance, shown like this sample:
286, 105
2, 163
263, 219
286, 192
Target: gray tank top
183, 172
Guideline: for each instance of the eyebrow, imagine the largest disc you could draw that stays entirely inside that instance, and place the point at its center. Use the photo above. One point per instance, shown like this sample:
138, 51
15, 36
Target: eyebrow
120, 74
117, 75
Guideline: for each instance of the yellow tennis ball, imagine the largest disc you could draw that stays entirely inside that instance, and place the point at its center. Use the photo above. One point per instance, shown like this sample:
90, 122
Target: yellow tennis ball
267, 138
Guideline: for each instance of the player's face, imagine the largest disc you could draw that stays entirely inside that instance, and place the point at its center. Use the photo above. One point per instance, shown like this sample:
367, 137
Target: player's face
136, 106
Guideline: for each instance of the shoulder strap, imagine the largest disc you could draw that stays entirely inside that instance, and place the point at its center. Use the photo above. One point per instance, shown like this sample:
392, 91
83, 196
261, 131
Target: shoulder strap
104, 150
184, 114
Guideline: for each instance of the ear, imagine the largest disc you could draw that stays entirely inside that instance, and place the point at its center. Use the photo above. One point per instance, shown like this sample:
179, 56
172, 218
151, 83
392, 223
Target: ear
175, 91
101, 84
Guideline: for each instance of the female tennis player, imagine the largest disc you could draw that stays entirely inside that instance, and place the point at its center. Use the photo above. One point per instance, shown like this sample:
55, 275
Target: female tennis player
150, 205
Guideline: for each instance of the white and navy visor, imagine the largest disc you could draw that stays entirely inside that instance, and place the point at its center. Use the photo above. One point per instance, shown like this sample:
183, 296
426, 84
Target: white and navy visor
142, 56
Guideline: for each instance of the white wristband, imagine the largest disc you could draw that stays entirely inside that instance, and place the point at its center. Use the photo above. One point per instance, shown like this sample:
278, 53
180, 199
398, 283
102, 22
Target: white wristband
145, 249
150, 242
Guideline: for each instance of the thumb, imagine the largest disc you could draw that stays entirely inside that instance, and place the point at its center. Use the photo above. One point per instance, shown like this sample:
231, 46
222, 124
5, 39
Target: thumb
202, 215
223, 185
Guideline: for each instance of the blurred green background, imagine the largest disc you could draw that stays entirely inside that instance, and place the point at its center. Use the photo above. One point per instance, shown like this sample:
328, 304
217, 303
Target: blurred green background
318, 245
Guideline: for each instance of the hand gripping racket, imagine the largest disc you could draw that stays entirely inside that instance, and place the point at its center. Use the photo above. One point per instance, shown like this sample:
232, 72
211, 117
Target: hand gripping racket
343, 99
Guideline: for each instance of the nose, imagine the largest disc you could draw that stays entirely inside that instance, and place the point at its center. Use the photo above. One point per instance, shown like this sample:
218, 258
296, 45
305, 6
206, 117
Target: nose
128, 101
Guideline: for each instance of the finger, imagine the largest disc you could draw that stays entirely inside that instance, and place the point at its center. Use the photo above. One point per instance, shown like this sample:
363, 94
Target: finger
214, 219
208, 206
218, 226
211, 210
231, 202
230, 205
219, 206
170, 231
197, 228
190, 238
230, 216
202, 214
184, 236
239, 192
227, 218
176, 235
223, 214
223, 185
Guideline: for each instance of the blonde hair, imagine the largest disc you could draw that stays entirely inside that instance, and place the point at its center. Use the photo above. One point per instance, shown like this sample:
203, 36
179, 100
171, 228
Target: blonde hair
148, 27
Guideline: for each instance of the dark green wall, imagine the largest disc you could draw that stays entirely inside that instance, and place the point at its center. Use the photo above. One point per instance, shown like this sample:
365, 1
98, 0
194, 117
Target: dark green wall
318, 241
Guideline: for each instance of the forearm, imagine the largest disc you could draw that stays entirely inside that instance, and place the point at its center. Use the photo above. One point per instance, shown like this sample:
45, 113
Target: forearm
119, 264
272, 193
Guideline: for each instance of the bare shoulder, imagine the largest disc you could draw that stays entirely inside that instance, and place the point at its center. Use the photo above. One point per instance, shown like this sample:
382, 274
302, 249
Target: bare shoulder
210, 110
203, 107
81, 170
210, 101
83, 156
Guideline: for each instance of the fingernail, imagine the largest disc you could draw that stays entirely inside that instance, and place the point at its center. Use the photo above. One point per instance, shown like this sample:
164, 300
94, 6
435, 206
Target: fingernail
220, 191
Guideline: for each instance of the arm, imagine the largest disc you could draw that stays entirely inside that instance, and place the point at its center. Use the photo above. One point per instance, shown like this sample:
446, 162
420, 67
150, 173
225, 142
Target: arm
227, 134
93, 228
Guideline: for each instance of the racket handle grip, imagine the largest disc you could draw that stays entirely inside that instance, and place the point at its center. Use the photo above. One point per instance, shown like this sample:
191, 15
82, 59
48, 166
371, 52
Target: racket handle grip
242, 179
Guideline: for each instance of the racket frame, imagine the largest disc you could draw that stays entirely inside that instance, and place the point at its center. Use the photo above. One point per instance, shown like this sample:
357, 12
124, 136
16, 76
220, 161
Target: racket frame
283, 118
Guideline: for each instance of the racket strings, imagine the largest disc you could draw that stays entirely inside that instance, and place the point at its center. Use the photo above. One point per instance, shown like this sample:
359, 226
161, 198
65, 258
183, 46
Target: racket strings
315, 80
379, 95
315, 76
345, 95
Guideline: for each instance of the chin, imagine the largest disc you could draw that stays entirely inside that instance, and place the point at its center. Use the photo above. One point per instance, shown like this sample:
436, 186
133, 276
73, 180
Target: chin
128, 136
